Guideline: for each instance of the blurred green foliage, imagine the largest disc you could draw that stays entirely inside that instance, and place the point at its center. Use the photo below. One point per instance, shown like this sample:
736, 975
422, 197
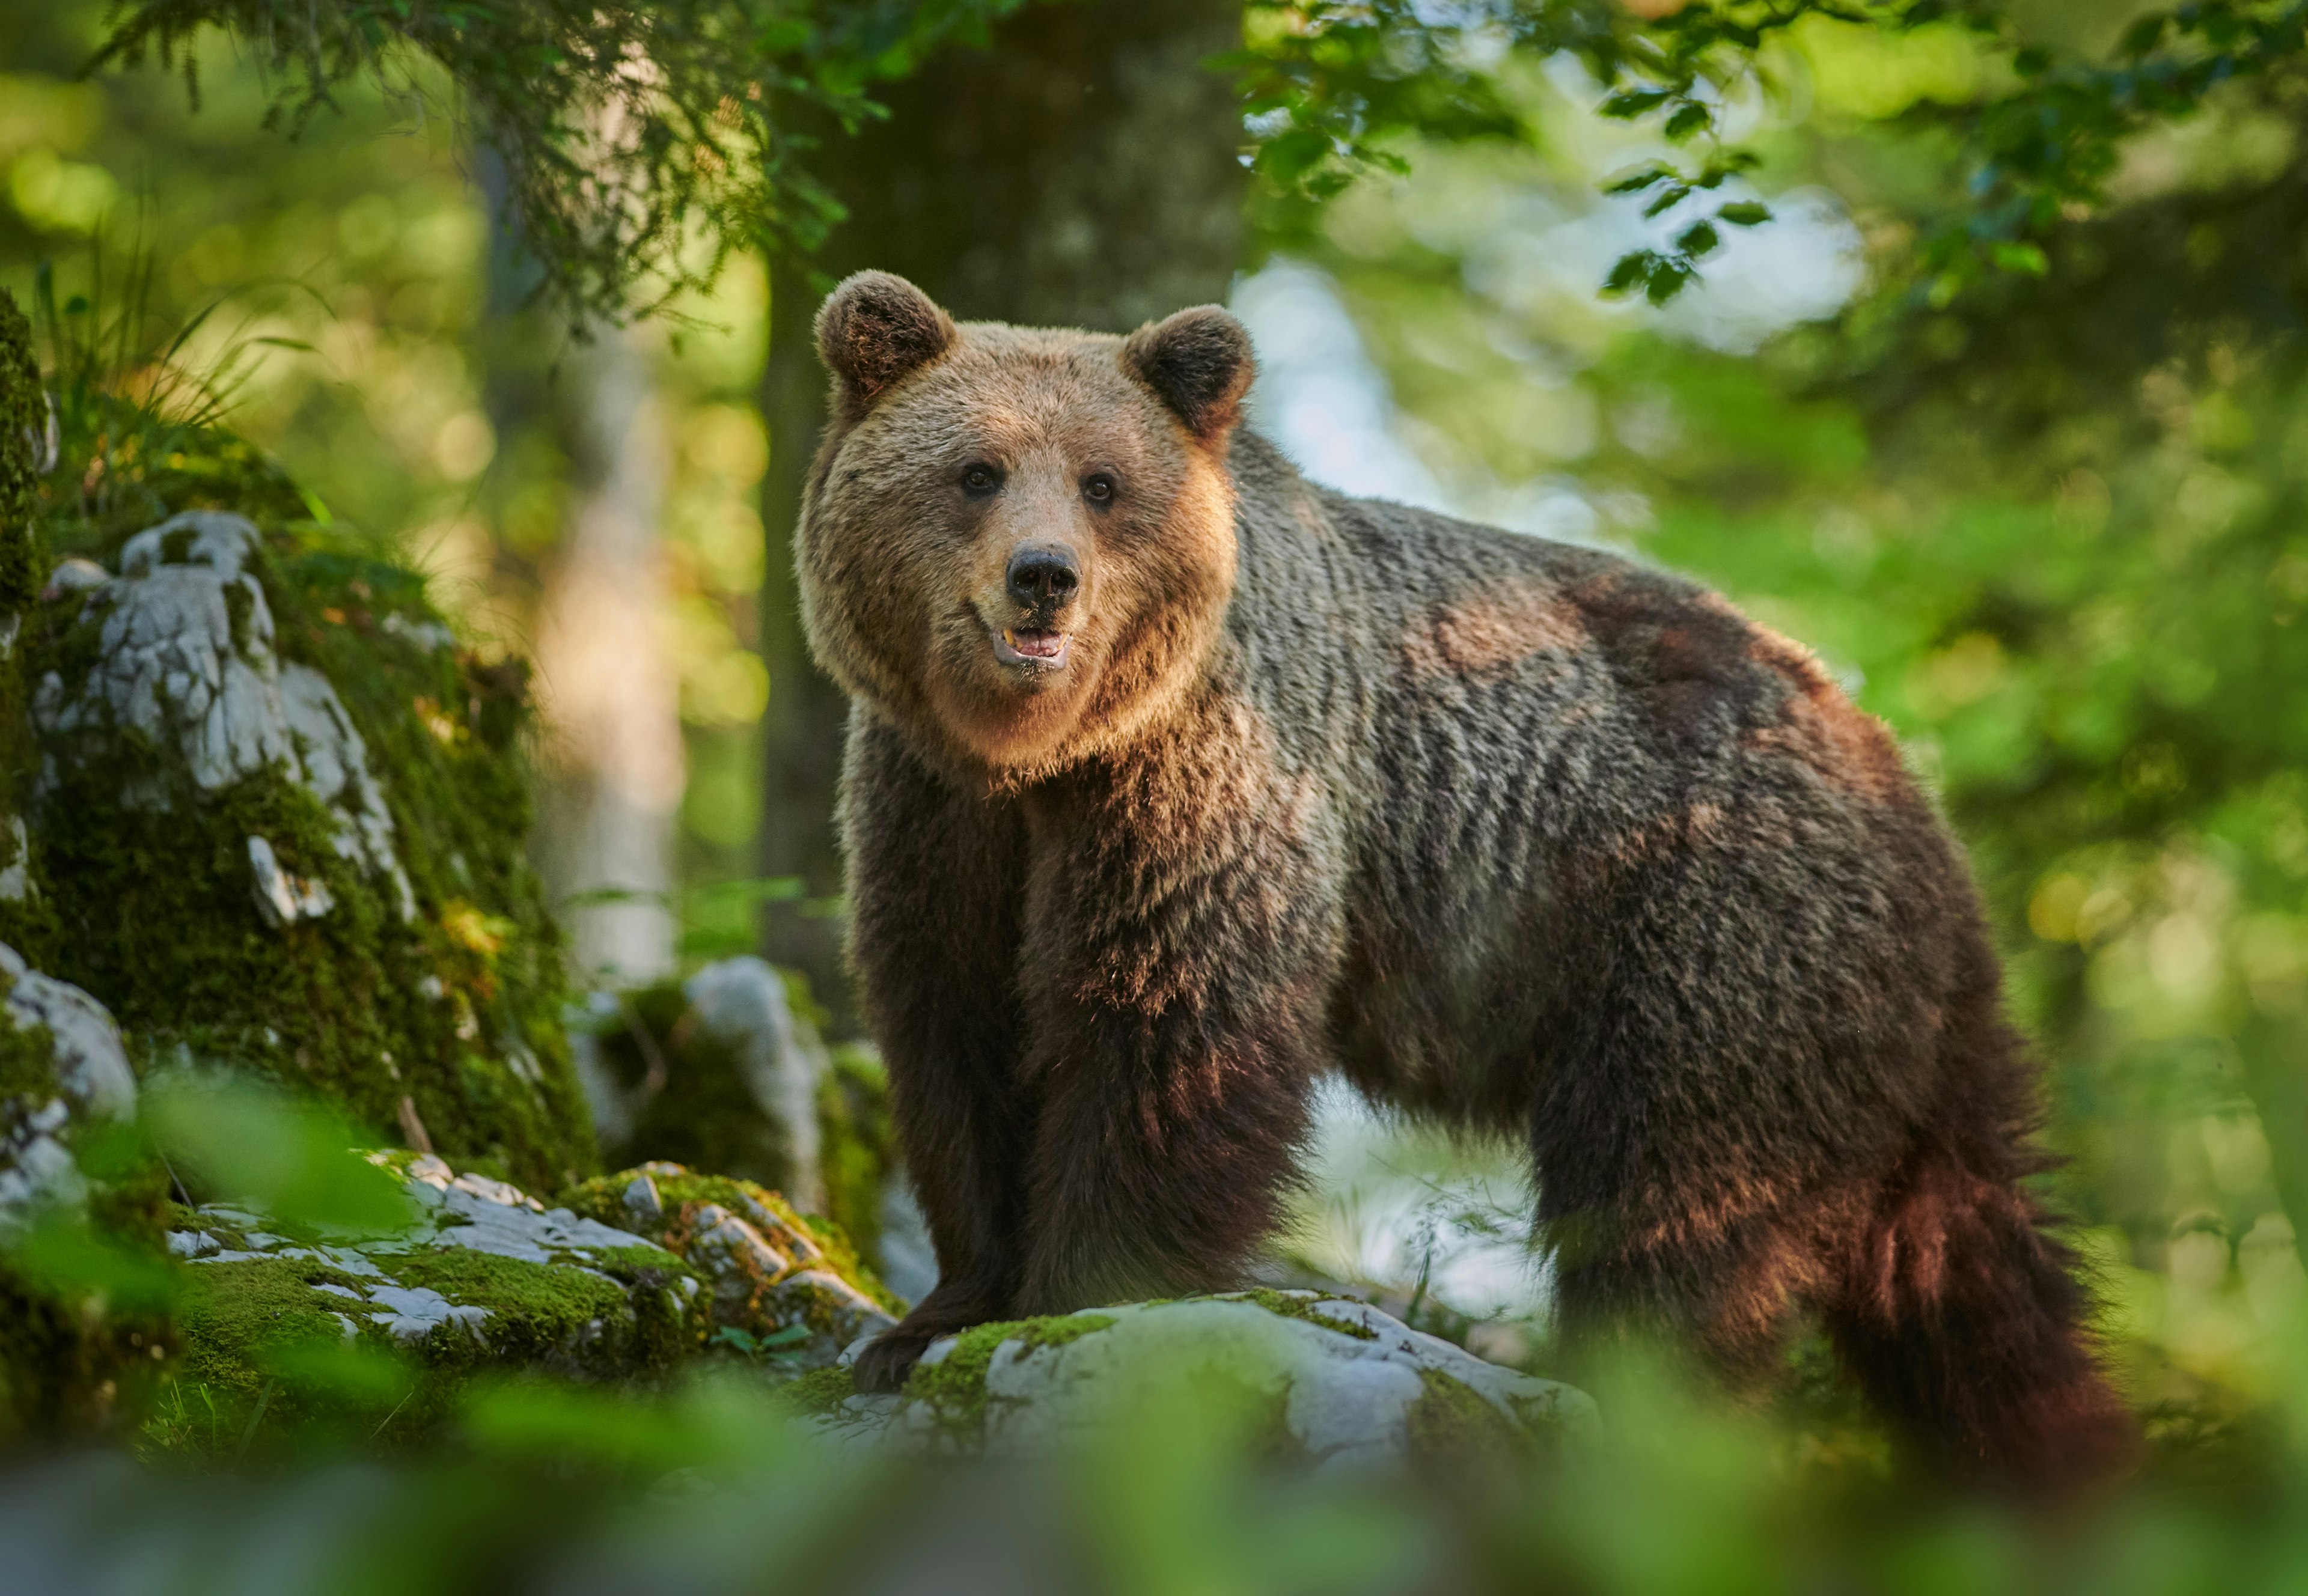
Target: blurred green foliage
1336, 88
629, 133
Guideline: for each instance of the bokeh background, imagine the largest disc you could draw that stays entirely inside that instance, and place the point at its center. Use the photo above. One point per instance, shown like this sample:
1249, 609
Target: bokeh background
2050, 527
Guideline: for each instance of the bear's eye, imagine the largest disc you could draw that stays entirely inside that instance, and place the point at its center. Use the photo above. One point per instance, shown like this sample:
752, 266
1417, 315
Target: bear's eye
979, 477
1099, 489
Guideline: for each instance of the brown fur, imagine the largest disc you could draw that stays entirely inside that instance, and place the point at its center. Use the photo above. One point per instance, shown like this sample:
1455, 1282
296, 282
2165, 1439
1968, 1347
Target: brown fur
1511, 833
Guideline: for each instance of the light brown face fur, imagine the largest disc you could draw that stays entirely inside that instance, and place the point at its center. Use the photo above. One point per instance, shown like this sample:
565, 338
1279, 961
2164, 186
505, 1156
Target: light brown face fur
1011, 441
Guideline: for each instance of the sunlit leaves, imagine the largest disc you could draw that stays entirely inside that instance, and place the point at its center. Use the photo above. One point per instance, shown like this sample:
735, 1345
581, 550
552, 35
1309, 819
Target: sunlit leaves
640, 143
1332, 82
1329, 87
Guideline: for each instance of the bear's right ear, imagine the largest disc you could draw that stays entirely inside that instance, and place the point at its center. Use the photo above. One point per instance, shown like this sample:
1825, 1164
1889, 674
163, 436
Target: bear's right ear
872, 330
1199, 362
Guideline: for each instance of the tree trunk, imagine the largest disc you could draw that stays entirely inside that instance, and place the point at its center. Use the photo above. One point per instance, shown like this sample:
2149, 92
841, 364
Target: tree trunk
606, 685
1080, 171
608, 695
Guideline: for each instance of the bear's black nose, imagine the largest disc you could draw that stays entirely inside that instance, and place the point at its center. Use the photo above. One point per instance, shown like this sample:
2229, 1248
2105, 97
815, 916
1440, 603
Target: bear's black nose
1043, 575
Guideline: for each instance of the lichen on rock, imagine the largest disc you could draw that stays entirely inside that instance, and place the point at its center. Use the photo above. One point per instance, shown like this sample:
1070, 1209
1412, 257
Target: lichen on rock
772, 1269
1340, 1384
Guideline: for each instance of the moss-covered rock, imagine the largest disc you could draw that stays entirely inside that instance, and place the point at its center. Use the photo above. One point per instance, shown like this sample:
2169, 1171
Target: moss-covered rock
1336, 1383
26, 439
778, 1276
279, 820
74, 1193
294, 1334
26, 429
727, 1071
716, 1072
863, 1180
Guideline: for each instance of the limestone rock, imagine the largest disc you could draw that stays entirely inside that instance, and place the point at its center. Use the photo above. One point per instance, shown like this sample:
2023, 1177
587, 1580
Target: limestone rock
724, 1072
187, 659
1335, 1382
71, 1352
65, 1070
772, 1272
278, 821
392, 1280
291, 1326
743, 1001
716, 1072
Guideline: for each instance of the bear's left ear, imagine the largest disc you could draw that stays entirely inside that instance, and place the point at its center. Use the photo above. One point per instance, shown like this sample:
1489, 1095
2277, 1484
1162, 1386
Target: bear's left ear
874, 329
1198, 362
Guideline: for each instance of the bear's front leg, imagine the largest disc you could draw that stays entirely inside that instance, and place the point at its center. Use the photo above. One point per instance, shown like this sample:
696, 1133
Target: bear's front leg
934, 875
1164, 1145
1178, 960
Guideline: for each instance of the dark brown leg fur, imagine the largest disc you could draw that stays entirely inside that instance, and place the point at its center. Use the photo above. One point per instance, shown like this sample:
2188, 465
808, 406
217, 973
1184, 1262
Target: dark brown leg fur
1959, 1310
1689, 1190
1157, 1172
939, 987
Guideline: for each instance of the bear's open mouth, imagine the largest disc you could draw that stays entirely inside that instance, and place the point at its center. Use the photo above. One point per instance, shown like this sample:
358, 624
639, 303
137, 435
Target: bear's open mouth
1033, 647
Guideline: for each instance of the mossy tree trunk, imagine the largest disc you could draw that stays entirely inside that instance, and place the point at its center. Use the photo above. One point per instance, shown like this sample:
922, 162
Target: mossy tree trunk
1082, 170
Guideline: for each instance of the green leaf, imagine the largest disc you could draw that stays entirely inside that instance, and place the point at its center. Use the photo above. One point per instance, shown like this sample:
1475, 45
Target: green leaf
1668, 199
1629, 269
1745, 213
1699, 239
1667, 278
2026, 259
1635, 183
1289, 157
1631, 103
1691, 118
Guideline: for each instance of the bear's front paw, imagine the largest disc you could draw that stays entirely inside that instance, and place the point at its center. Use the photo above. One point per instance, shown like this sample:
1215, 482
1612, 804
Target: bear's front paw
883, 1364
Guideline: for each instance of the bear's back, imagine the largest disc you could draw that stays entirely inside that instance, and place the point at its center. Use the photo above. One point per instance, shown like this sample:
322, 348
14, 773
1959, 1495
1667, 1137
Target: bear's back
1513, 728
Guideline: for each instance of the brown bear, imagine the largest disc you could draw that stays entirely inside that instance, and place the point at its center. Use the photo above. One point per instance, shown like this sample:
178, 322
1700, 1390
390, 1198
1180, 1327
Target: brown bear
1174, 780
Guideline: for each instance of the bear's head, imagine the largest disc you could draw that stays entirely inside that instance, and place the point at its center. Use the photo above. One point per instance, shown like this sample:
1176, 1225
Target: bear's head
1019, 542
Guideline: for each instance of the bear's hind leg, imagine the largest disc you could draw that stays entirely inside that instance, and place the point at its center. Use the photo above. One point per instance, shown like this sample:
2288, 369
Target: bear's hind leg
1961, 1316
1728, 1293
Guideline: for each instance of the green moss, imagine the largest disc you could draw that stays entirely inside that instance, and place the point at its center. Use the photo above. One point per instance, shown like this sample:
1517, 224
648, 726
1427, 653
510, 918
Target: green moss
683, 1194
857, 1144
267, 1365
269, 1368
955, 1386
1451, 1423
819, 1391
704, 1114
82, 1334
74, 1364
27, 1067
23, 415
538, 1312
150, 906
1292, 1306
234, 1315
